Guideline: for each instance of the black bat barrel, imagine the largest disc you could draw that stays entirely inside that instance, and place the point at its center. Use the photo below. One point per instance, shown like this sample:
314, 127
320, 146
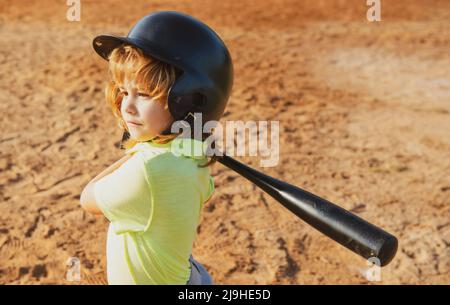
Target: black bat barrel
349, 230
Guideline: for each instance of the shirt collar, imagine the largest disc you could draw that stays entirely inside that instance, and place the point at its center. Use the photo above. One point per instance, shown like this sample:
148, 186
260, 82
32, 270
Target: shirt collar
179, 147
188, 147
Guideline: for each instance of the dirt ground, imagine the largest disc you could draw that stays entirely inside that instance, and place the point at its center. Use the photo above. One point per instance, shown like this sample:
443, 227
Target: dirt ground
364, 112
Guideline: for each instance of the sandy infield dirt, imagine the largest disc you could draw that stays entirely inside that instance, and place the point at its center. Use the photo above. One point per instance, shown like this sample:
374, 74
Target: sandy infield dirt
364, 112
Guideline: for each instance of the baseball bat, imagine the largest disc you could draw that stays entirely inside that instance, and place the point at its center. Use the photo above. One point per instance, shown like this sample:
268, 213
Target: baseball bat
351, 231
344, 227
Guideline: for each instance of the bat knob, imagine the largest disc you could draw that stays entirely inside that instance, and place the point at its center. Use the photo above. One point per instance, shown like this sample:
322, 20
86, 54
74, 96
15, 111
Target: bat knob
388, 250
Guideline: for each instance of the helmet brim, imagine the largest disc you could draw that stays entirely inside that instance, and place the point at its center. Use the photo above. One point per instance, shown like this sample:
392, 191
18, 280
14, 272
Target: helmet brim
105, 44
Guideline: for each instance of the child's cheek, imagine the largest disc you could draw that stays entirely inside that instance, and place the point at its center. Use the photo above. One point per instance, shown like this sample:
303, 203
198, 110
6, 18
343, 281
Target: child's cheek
155, 116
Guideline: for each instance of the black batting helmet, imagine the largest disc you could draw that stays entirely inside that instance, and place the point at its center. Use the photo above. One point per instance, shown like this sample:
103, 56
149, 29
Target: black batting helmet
191, 46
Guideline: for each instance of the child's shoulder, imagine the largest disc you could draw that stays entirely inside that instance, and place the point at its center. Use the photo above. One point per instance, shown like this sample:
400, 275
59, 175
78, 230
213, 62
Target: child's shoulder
181, 156
180, 148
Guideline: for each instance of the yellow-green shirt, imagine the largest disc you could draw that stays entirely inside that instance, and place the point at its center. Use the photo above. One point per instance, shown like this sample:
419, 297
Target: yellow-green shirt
153, 202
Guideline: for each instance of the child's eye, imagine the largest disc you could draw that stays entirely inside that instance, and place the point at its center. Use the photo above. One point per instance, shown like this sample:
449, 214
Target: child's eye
124, 93
143, 94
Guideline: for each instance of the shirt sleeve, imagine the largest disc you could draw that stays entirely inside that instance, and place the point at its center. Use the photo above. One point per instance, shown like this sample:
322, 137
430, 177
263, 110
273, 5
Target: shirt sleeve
125, 198
210, 190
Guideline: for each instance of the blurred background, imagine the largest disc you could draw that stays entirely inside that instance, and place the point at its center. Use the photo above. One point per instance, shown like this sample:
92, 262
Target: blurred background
364, 112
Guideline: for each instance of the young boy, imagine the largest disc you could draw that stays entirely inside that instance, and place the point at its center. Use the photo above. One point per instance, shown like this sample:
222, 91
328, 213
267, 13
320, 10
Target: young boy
152, 197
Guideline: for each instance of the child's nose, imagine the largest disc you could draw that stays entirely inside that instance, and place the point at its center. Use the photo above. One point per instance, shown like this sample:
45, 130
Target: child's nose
130, 105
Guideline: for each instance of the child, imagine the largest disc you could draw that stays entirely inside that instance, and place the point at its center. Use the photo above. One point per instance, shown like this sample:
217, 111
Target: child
168, 67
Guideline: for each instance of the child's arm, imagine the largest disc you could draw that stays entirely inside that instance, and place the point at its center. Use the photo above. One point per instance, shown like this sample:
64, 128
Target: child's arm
111, 168
87, 198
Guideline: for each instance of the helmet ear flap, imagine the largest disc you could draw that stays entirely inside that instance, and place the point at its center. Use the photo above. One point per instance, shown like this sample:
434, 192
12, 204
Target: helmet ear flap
185, 96
199, 100
180, 106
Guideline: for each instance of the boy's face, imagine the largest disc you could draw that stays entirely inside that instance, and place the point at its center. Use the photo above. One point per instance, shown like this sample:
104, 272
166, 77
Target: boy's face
151, 116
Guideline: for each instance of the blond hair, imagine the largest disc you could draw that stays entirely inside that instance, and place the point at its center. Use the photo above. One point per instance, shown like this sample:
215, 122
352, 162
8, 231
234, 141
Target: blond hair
151, 76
